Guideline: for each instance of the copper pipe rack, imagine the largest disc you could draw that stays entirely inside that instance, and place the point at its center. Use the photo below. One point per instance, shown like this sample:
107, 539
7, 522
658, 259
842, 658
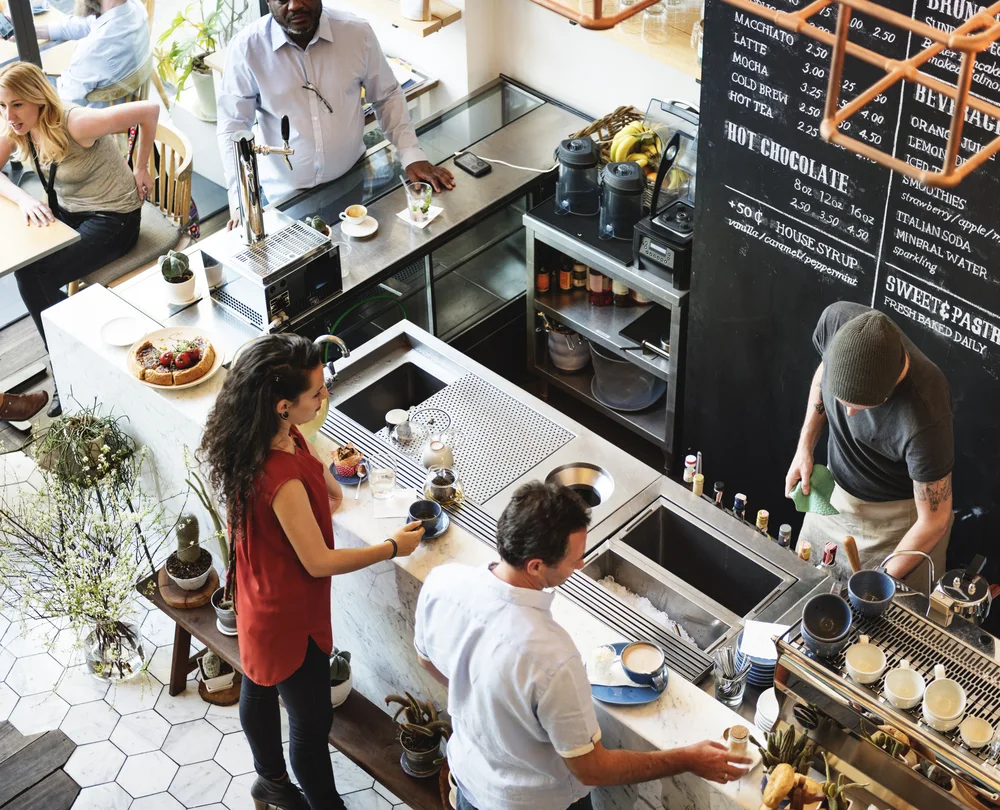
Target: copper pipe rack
970, 39
596, 21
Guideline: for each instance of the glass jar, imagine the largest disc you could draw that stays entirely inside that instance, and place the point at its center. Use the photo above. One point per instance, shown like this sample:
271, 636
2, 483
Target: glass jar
114, 652
633, 25
698, 38
654, 24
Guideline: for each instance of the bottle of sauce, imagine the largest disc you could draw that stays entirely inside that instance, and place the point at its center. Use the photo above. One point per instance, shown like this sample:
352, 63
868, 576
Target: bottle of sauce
690, 468
543, 281
762, 518
621, 295
740, 506
580, 277
565, 277
719, 490
785, 535
599, 288
698, 485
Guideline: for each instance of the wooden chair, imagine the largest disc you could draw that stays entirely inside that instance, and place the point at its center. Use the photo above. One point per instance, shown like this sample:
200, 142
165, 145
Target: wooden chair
164, 215
134, 87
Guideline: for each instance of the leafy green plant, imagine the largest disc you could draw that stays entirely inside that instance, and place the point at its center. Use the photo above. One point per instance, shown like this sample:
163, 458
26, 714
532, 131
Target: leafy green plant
340, 666
198, 487
784, 747
422, 728
175, 267
202, 29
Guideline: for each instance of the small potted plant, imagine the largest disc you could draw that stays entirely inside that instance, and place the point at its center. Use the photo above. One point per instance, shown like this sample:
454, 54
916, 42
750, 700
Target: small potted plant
188, 566
178, 277
341, 681
317, 223
225, 613
216, 674
420, 733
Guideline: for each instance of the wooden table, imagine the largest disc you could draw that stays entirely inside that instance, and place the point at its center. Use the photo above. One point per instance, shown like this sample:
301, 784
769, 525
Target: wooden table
24, 244
56, 59
361, 731
8, 48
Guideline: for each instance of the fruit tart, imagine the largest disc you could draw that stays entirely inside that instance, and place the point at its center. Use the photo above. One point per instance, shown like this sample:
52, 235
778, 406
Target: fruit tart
173, 362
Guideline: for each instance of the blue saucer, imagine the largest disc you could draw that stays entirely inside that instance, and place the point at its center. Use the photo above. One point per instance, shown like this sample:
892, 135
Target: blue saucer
625, 695
445, 524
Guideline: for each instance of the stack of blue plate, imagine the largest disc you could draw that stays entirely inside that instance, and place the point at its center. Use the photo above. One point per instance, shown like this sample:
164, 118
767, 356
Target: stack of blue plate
761, 669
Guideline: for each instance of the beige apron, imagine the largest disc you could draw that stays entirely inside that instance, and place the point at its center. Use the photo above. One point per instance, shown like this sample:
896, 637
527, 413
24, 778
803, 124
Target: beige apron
877, 528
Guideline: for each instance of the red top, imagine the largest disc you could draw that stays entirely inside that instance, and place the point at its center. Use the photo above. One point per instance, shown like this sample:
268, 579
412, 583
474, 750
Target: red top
278, 604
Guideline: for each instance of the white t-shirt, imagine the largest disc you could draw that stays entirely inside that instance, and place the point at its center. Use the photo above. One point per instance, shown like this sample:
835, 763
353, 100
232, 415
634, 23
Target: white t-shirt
518, 694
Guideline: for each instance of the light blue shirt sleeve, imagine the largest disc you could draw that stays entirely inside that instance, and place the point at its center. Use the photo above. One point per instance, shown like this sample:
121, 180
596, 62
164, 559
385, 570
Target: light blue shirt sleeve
389, 102
69, 27
237, 110
566, 711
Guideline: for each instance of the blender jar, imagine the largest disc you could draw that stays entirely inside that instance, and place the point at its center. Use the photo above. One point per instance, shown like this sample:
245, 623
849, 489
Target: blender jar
621, 200
577, 190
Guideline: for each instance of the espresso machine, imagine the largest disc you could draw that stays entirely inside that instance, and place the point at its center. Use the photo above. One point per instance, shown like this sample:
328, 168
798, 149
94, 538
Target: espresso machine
939, 770
279, 272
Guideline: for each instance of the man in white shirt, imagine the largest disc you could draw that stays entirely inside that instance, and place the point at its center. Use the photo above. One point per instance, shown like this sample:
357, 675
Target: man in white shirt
525, 731
310, 63
114, 43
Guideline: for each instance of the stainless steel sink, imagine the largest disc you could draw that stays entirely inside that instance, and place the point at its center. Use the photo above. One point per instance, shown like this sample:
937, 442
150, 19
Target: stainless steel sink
403, 387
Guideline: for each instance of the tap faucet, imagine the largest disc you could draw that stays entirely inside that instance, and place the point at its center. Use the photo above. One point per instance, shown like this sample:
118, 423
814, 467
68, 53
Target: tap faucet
329, 371
245, 152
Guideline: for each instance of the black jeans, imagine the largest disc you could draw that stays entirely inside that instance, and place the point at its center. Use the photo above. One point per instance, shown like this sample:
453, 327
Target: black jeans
464, 803
306, 695
104, 237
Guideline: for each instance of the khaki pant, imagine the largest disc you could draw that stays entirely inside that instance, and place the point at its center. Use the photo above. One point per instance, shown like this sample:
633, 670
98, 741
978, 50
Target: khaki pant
877, 528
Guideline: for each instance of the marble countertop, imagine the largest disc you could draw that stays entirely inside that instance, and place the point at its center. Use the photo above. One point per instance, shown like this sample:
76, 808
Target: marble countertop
684, 714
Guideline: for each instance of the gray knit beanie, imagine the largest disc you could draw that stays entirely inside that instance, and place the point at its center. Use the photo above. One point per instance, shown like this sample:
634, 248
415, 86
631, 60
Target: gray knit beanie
865, 359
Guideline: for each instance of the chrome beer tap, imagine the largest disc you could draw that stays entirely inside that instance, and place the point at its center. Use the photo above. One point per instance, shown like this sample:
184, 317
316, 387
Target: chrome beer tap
245, 152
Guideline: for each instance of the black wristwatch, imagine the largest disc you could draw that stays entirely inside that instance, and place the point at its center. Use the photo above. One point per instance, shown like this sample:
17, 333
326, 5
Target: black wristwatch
395, 548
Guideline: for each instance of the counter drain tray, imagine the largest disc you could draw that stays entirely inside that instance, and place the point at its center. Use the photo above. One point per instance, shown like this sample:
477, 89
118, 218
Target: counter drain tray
497, 438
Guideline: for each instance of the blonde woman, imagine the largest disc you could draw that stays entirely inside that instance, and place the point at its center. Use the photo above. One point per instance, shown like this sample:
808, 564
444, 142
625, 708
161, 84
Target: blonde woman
87, 180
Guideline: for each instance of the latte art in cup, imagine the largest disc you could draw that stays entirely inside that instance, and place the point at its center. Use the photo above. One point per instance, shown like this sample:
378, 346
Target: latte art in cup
643, 658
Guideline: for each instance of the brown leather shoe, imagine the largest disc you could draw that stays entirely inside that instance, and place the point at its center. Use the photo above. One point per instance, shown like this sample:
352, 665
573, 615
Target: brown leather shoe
21, 407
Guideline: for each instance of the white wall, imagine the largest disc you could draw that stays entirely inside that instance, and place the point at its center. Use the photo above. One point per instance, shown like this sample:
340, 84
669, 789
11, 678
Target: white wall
585, 69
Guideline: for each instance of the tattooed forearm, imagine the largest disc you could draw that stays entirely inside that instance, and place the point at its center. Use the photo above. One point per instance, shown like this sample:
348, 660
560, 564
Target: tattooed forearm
818, 404
933, 493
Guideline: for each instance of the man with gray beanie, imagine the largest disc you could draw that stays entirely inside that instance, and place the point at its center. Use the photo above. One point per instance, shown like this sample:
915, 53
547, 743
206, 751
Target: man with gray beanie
891, 445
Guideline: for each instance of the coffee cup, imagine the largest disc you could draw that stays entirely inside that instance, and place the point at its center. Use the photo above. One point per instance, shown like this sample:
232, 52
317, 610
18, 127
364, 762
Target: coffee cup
904, 686
864, 661
354, 215
645, 664
976, 732
428, 513
944, 701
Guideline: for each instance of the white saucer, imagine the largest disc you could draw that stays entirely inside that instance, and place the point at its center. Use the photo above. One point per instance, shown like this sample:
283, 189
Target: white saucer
367, 227
122, 331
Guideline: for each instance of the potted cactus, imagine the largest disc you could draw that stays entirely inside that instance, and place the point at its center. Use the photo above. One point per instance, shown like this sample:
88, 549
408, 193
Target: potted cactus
341, 681
178, 277
188, 566
216, 674
317, 223
421, 733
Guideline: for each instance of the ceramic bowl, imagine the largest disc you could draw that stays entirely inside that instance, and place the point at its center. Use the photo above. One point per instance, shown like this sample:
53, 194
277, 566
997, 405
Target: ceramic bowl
826, 624
904, 686
864, 661
871, 592
944, 701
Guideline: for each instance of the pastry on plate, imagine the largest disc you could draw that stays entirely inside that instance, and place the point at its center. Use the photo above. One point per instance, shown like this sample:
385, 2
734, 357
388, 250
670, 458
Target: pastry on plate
173, 362
346, 460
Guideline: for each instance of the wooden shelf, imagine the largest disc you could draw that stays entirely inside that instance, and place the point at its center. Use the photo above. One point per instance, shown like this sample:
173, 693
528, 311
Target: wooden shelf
676, 52
441, 15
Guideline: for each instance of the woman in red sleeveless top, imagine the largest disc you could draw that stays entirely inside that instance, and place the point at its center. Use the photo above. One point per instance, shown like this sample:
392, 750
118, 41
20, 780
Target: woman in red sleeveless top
279, 499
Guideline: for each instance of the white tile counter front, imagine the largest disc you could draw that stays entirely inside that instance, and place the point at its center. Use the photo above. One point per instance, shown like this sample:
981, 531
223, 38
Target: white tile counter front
373, 609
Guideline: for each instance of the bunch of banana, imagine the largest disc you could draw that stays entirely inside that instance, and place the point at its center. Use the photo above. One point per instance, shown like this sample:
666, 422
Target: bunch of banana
636, 143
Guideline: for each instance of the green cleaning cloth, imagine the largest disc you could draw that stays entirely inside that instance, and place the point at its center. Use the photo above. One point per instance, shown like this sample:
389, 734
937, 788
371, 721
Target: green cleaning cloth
821, 485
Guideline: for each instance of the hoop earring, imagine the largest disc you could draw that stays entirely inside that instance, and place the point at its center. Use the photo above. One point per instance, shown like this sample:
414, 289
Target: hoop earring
284, 414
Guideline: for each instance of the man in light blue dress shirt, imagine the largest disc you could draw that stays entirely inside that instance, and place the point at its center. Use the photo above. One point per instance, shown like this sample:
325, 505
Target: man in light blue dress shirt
525, 731
310, 63
114, 43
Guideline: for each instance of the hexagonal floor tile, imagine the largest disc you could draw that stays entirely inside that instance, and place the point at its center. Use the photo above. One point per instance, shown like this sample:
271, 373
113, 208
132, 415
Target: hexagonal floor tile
350, 778
67, 648
37, 713
79, 685
159, 663
201, 782
365, 800
33, 674
159, 801
234, 754
225, 718
134, 695
6, 662
94, 764
8, 700
146, 774
238, 793
102, 797
89, 722
140, 732
387, 794
159, 628
182, 708
4, 625
31, 637
192, 742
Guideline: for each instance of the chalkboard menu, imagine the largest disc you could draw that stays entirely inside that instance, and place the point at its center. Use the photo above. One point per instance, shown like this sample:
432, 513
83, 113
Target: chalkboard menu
788, 223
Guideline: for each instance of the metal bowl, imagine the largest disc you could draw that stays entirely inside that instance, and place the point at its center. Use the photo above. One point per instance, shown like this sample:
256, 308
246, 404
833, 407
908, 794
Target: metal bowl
591, 483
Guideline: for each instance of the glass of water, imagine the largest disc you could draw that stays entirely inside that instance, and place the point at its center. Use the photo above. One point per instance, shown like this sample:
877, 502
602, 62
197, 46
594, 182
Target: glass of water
418, 199
381, 478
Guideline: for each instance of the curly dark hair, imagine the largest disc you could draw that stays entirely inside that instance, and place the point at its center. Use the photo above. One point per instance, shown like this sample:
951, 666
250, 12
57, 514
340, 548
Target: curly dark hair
243, 421
537, 523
